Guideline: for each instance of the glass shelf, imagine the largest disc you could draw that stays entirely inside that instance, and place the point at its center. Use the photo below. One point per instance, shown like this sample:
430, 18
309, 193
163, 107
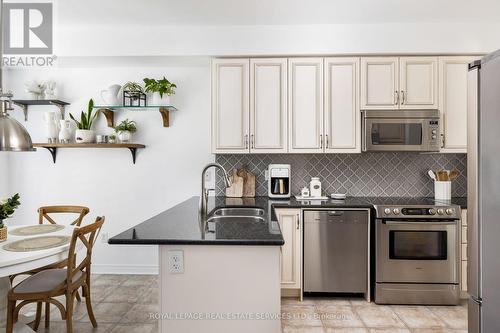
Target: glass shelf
109, 111
136, 108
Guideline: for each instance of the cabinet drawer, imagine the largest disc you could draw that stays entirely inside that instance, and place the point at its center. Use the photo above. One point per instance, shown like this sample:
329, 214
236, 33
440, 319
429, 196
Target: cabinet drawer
464, 235
464, 252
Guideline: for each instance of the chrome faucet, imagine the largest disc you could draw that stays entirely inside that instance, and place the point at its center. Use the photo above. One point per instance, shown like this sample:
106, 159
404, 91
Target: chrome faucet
202, 207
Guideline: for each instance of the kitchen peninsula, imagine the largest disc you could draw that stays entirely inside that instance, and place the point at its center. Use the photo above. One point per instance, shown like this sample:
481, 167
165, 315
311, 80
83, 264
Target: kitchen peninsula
207, 263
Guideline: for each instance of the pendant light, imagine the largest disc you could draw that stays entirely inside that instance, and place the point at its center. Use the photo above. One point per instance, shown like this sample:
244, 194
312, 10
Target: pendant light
13, 135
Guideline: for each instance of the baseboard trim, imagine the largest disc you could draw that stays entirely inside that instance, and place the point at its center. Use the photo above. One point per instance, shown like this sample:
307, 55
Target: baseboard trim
125, 269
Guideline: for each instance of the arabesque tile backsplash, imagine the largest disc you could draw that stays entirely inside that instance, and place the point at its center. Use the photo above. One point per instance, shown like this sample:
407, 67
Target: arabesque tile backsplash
367, 174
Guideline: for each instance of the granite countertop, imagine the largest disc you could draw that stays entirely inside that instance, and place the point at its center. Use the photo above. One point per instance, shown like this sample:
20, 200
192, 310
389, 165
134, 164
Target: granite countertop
181, 223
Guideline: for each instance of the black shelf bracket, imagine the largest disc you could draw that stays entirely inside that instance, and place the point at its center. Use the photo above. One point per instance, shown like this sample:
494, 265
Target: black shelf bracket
53, 152
133, 151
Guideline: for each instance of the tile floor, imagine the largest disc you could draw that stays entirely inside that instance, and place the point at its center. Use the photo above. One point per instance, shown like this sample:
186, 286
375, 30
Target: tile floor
123, 303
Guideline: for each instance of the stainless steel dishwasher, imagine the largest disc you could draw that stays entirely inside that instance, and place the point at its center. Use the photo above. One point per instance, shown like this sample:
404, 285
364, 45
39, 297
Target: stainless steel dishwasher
336, 244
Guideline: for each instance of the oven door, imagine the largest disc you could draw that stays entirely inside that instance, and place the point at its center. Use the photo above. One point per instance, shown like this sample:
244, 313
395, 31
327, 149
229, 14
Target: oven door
398, 134
417, 251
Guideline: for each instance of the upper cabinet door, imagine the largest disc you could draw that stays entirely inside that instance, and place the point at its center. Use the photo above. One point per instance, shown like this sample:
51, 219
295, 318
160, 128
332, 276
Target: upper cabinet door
268, 105
418, 82
342, 114
230, 115
453, 73
305, 95
379, 83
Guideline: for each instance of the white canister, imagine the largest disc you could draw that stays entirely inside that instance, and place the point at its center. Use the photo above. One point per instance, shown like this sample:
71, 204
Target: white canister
442, 190
304, 192
65, 133
315, 187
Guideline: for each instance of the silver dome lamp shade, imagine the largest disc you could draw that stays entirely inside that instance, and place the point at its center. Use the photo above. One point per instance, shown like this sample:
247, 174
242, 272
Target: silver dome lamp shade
13, 135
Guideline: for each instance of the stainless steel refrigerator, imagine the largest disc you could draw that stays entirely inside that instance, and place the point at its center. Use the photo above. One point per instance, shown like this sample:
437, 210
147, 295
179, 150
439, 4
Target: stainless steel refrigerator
483, 201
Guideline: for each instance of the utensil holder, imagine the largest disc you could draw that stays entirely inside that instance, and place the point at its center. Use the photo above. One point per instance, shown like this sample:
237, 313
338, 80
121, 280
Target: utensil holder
442, 190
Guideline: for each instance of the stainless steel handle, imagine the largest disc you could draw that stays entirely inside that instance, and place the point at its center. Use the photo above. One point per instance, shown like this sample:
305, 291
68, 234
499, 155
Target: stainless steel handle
327, 143
246, 141
252, 140
298, 221
335, 213
396, 97
403, 97
321, 141
419, 223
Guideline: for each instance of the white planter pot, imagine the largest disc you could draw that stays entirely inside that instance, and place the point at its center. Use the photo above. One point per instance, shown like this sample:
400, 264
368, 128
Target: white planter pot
125, 136
84, 136
157, 100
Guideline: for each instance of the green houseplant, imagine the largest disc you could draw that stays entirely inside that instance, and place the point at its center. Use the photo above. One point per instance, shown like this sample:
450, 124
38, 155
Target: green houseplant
134, 89
84, 133
125, 130
7, 208
161, 89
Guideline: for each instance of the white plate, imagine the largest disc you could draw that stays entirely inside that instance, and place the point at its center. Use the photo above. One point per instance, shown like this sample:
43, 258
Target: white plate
338, 196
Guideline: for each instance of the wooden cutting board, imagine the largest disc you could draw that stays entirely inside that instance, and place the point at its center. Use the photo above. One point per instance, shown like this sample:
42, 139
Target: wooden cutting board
248, 183
236, 188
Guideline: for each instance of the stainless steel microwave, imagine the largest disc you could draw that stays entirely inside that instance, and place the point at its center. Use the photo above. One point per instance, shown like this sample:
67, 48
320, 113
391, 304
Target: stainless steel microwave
396, 130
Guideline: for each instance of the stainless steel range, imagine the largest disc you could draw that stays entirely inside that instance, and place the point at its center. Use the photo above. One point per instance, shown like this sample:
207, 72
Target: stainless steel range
417, 252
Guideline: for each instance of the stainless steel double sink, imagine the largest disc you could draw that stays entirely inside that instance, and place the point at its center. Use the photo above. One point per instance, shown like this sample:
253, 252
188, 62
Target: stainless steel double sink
242, 214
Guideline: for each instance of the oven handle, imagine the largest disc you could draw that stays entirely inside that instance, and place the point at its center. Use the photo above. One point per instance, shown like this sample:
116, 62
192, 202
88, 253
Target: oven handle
419, 223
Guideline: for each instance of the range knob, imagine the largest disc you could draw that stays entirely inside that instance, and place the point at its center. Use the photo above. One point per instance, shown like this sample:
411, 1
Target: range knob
450, 211
434, 132
440, 211
432, 211
396, 211
387, 211
434, 137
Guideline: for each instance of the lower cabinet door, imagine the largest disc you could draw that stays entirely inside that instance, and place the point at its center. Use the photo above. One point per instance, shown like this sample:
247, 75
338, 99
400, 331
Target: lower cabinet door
291, 251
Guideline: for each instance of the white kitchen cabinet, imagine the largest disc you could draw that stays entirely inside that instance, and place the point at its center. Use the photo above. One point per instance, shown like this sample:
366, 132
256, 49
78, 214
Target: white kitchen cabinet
342, 113
418, 83
453, 102
305, 96
291, 252
268, 105
379, 83
230, 105
463, 254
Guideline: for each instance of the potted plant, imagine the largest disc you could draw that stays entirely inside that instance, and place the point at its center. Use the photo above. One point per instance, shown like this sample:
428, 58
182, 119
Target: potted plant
133, 94
84, 133
125, 130
112, 138
161, 89
7, 208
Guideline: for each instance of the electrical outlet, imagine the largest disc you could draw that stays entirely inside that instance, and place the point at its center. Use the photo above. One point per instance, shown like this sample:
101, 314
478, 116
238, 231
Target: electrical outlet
266, 174
176, 261
104, 237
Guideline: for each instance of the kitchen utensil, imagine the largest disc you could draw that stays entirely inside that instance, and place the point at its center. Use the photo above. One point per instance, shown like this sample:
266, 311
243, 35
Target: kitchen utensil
248, 182
236, 188
442, 176
432, 175
453, 174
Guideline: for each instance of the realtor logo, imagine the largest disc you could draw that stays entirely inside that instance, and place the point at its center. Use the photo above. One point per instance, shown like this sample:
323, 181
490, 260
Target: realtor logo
28, 28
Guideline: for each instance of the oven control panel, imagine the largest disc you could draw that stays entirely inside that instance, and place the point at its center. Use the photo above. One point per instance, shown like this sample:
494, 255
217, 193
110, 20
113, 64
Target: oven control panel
444, 212
434, 134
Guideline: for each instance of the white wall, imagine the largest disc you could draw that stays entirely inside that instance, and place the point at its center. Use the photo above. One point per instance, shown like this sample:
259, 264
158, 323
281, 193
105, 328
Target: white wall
167, 171
424, 37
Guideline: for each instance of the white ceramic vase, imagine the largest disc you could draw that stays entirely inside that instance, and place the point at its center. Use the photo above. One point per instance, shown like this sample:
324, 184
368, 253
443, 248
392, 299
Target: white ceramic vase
162, 101
124, 136
84, 136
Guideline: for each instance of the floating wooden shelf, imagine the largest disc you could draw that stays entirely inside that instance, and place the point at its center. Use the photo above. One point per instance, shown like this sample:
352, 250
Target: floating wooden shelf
23, 104
52, 147
109, 112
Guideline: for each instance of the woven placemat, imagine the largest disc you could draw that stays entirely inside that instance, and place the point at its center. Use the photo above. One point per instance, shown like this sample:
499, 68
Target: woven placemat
37, 243
36, 229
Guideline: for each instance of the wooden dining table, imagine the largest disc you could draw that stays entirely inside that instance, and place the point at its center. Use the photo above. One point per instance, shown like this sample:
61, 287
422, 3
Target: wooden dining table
17, 262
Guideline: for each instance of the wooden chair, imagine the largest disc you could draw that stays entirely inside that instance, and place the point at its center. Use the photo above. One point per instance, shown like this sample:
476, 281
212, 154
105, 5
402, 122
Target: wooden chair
44, 286
44, 213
